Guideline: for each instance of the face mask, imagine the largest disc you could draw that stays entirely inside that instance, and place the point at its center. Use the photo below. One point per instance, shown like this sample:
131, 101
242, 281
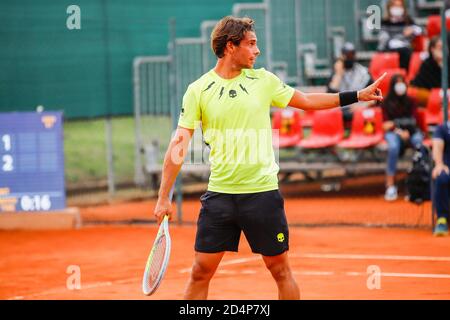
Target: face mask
438, 56
348, 64
400, 88
397, 12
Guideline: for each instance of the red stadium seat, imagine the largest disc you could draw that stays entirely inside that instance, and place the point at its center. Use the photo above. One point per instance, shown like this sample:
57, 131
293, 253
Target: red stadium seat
434, 25
414, 64
385, 84
288, 124
307, 118
382, 61
419, 43
327, 130
422, 125
413, 93
434, 107
367, 129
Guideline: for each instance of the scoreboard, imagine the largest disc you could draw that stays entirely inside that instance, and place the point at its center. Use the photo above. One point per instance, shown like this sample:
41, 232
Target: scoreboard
31, 162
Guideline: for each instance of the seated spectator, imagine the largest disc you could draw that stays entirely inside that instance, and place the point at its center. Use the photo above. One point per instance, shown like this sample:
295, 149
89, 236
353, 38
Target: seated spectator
398, 32
348, 75
441, 176
430, 72
399, 123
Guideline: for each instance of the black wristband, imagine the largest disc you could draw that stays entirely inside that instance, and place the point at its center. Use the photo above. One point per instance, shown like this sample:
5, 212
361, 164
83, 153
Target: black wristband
348, 97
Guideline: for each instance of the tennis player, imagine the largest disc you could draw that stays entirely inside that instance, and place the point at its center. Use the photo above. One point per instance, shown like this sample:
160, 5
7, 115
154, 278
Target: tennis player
232, 102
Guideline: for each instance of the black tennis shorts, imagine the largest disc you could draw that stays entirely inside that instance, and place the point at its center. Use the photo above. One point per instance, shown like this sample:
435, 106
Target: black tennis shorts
260, 215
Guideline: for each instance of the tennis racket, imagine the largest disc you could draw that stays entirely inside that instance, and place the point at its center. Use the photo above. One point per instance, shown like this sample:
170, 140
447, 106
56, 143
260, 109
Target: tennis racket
158, 259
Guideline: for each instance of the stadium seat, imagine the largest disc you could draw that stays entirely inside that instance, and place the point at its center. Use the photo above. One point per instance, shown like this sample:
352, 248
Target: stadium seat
434, 25
367, 129
385, 84
327, 130
434, 107
419, 43
382, 61
288, 124
422, 125
307, 118
414, 64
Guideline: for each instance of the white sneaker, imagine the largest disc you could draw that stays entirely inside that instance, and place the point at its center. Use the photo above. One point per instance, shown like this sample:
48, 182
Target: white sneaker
391, 193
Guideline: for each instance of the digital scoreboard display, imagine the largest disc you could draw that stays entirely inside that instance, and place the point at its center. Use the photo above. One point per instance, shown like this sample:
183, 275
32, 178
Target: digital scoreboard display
31, 162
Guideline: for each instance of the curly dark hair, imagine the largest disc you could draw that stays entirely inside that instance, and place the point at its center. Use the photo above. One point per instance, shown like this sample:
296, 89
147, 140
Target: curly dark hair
229, 29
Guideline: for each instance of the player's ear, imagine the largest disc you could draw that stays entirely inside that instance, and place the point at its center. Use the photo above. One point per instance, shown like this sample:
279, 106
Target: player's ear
230, 47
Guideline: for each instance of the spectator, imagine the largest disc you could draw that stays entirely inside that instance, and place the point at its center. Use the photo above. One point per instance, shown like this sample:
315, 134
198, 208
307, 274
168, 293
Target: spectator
398, 32
430, 72
399, 112
441, 176
348, 75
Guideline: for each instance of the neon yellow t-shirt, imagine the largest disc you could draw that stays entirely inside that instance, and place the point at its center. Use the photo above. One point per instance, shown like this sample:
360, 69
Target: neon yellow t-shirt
235, 118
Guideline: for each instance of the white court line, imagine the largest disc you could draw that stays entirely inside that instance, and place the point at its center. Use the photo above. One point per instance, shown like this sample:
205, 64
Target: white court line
83, 287
228, 263
314, 273
403, 275
351, 274
369, 257
342, 256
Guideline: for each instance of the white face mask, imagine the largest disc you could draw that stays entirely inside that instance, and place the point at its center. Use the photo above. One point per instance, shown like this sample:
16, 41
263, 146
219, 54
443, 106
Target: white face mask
438, 55
400, 88
397, 12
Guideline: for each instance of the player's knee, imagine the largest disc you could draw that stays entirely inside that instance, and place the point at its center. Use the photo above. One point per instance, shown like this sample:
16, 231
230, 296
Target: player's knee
280, 272
201, 272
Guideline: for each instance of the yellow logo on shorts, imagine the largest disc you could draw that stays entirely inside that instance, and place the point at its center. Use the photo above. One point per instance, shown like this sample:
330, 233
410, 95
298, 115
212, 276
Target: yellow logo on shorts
280, 237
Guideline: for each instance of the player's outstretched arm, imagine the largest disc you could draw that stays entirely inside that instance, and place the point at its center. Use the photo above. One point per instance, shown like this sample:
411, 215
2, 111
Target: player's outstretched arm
173, 160
320, 101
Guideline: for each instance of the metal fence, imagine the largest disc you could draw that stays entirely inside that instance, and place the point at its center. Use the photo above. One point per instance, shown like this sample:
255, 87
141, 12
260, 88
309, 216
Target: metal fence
209, 59
188, 64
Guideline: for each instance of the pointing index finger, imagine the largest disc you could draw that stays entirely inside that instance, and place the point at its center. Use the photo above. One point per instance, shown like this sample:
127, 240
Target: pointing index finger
380, 79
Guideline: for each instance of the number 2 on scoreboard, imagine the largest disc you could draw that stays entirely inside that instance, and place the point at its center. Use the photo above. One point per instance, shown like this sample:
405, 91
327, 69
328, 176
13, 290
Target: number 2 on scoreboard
7, 163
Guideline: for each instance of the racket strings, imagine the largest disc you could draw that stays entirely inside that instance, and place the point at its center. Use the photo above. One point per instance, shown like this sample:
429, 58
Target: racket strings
156, 262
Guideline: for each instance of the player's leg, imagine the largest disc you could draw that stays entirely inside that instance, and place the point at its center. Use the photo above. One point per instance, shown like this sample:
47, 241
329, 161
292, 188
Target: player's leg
217, 232
282, 274
263, 220
441, 201
205, 265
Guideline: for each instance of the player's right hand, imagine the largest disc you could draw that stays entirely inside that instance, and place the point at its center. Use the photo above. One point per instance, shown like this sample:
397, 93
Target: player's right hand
163, 208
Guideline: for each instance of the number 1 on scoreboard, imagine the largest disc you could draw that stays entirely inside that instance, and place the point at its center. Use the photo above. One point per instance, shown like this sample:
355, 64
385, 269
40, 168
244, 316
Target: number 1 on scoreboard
6, 142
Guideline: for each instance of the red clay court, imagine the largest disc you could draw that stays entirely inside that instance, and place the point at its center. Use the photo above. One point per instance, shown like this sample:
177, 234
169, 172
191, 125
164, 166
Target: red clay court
329, 262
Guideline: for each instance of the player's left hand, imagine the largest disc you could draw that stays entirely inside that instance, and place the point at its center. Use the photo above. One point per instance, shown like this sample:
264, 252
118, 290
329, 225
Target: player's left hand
372, 92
